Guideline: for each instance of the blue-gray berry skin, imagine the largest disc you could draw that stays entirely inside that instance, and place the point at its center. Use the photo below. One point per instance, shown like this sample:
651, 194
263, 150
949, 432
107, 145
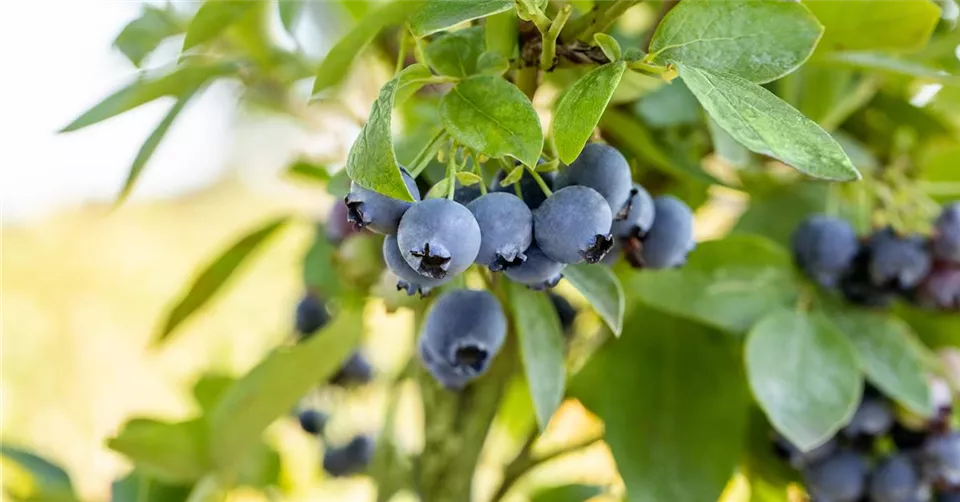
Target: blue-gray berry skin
530, 190
538, 272
409, 279
312, 421
895, 479
573, 225
355, 371
311, 315
639, 215
941, 457
670, 238
824, 248
897, 262
604, 169
951, 496
941, 289
946, 240
369, 209
353, 458
462, 333
439, 238
506, 229
873, 418
839, 478
466, 194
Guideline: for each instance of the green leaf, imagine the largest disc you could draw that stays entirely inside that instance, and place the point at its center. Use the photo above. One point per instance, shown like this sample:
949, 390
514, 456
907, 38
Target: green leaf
32, 477
142, 35
670, 105
936, 329
674, 404
727, 148
578, 111
149, 87
436, 16
895, 25
212, 18
889, 353
439, 190
609, 46
169, 452
307, 170
602, 289
290, 11
890, 64
468, 179
500, 32
336, 65
757, 40
566, 493
513, 176
541, 348
215, 275
777, 209
765, 124
150, 146
138, 486
491, 116
455, 54
275, 385
492, 63
728, 284
372, 162
804, 374
320, 267
209, 388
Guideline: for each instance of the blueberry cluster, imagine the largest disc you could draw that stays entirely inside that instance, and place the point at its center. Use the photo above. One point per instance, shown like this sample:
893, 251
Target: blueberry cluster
879, 458
874, 270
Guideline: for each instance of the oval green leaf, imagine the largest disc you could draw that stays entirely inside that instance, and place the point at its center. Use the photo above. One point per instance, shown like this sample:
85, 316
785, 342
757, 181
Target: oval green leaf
541, 348
215, 275
492, 116
609, 46
42, 479
170, 452
212, 18
142, 35
895, 25
602, 289
579, 110
435, 16
566, 493
804, 375
891, 357
275, 385
455, 54
758, 40
765, 124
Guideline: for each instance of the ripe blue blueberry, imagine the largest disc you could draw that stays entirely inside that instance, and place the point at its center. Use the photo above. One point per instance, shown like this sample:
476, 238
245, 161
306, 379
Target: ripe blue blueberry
858, 287
409, 279
873, 418
941, 289
824, 248
506, 229
538, 272
604, 169
941, 456
312, 421
565, 311
670, 238
369, 209
946, 239
338, 225
350, 459
951, 496
466, 194
356, 371
573, 225
895, 479
462, 333
439, 237
896, 262
839, 478
311, 315
530, 190
640, 212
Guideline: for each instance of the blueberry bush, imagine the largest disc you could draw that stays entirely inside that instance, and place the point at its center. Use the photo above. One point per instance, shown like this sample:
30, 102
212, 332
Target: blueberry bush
526, 184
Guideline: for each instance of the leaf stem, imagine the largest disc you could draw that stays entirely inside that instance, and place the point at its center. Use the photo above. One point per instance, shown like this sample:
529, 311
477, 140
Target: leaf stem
526, 461
402, 51
597, 20
418, 50
478, 171
422, 160
452, 171
536, 177
548, 53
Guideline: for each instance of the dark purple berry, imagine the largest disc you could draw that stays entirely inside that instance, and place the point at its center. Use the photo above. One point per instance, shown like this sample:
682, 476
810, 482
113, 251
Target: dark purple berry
824, 248
946, 238
312, 421
838, 478
311, 315
573, 225
506, 229
356, 371
670, 238
350, 459
604, 169
439, 238
640, 213
538, 271
409, 279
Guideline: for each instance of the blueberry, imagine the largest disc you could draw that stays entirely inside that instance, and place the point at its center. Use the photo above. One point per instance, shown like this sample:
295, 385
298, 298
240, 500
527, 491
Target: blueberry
462, 333
312, 421
506, 229
466, 194
824, 248
839, 478
858, 288
530, 190
800, 459
573, 225
410, 280
946, 240
941, 289
615, 253
896, 262
640, 213
357, 370
350, 459
565, 311
603, 169
908, 439
538, 272
952, 496
439, 237
338, 225
873, 418
895, 479
369, 209
670, 238
311, 315
941, 456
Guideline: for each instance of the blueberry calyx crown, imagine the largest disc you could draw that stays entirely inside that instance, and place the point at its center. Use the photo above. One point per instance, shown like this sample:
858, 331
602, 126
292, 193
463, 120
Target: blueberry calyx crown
627, 206
471, 356
507, 258
355, 213
433, 263
601, 245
